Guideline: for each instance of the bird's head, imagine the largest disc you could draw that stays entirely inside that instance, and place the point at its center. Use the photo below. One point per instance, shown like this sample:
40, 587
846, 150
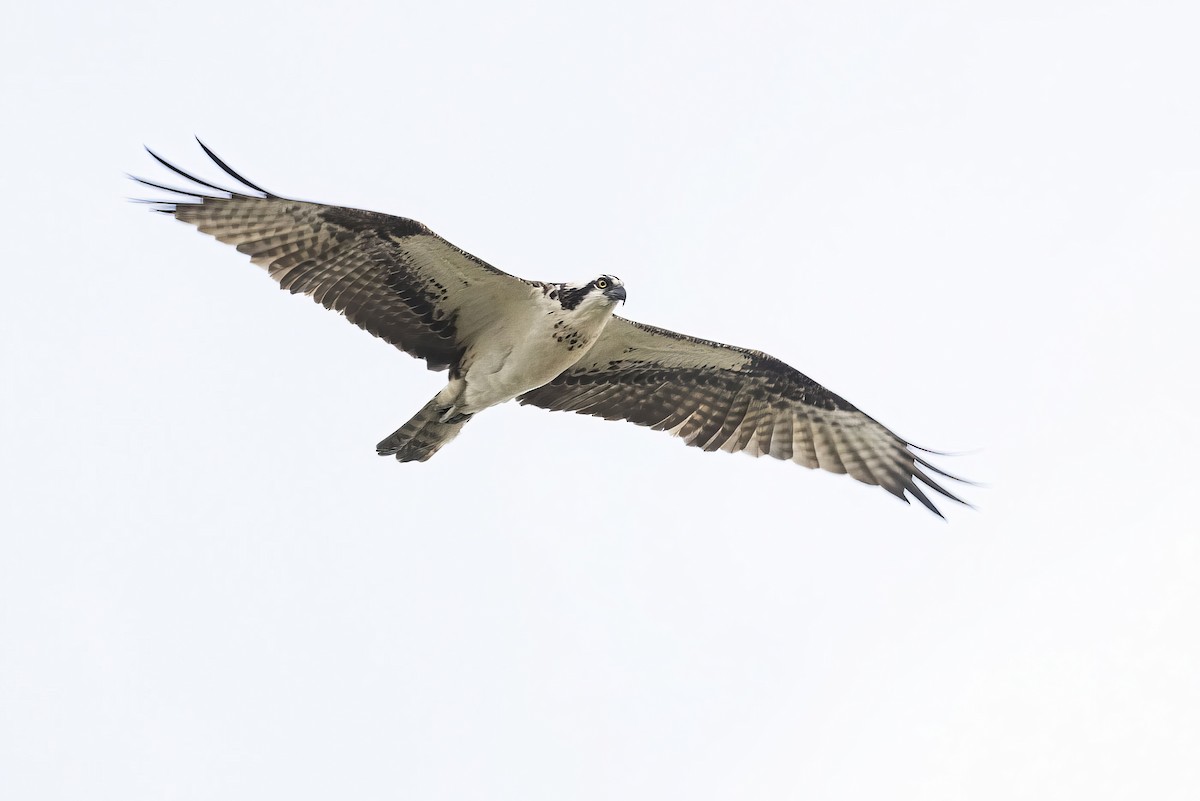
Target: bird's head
602, 292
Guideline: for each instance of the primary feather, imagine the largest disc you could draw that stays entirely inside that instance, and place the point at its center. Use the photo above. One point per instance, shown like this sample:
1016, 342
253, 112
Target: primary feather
553, 345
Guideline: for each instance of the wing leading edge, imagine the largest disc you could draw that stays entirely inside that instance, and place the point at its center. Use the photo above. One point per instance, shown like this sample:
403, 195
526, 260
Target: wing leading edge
396, 279
391, 276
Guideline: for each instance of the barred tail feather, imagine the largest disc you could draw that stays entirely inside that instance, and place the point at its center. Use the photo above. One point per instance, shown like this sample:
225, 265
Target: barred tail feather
423, 435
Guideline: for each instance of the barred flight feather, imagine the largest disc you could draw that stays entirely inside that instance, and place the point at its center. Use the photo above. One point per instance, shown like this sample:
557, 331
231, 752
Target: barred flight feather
396, 279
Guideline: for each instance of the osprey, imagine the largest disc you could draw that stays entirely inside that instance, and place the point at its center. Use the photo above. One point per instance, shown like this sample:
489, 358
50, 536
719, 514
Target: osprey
554, 345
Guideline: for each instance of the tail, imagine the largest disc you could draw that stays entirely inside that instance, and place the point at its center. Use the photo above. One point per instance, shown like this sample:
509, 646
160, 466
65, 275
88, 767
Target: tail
422, 436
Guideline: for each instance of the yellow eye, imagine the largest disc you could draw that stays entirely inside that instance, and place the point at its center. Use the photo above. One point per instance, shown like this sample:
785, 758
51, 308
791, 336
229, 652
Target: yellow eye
602, 283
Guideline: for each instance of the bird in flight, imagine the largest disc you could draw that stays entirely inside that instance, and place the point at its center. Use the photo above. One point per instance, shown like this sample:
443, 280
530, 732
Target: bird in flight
554, 345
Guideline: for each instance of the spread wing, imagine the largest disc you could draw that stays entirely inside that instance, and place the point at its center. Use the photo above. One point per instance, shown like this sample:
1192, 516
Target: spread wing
719, 397
389, 275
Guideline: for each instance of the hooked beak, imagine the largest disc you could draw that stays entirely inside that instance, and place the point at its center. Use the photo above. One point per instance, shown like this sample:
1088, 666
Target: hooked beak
615, 293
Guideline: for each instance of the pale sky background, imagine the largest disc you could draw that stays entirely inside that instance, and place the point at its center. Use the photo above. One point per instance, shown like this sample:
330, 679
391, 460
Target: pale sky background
978, 222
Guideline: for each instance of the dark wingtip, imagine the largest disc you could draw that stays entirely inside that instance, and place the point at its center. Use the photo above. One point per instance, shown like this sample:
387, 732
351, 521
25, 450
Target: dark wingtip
229, 170
145, 201
970, 452
916, 492
186, 175
925, 463
165, 188
919, 475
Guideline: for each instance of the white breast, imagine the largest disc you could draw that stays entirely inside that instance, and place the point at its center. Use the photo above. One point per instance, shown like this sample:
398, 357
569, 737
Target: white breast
526, 350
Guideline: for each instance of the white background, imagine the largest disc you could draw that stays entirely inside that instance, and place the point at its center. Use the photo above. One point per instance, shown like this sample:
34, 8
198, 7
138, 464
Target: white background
978, 222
